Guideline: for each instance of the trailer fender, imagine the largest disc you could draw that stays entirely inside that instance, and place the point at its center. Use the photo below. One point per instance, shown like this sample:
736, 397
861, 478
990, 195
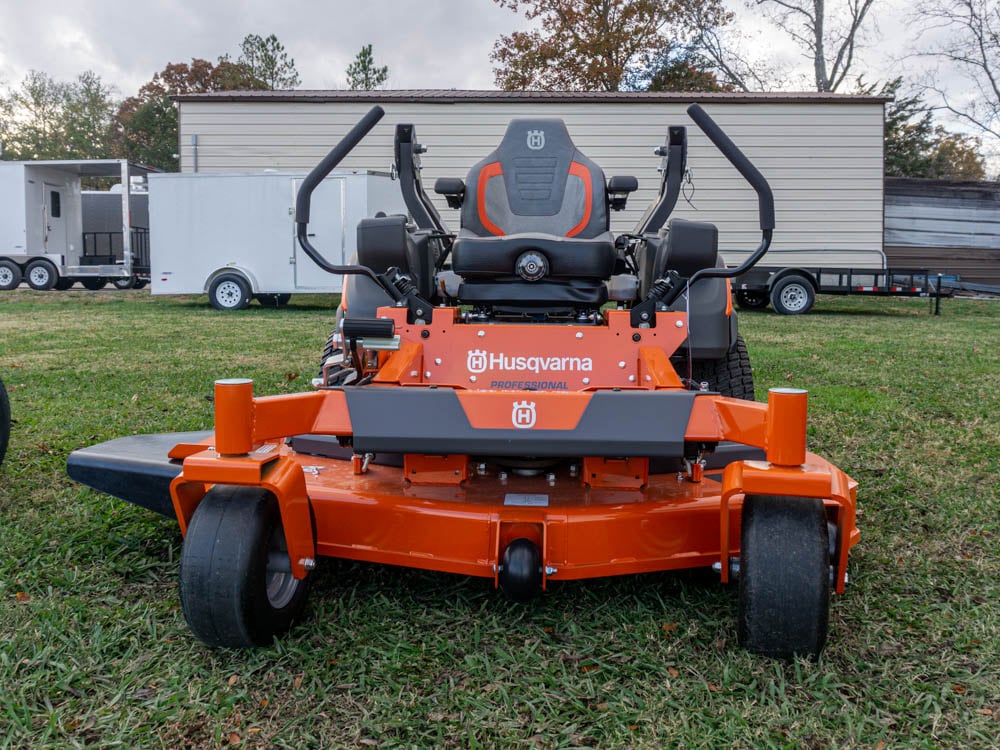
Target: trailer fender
804, 273
246, 273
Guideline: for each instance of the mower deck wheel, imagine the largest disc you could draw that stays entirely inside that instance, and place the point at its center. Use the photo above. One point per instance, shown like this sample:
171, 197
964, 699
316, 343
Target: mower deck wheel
236, 583
521, 570
784, 597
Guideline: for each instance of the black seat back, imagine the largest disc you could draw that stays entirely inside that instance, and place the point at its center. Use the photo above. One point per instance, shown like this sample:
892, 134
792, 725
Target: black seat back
536, 182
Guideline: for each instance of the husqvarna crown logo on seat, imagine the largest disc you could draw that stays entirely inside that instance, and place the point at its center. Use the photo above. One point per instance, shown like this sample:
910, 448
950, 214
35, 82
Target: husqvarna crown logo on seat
536, 140
523, 415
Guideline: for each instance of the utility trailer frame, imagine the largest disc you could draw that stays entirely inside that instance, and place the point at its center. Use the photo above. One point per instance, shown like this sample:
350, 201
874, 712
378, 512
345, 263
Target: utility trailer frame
41, 223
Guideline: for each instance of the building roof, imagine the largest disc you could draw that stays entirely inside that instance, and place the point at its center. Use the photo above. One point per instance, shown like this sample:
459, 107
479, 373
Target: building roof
451, 96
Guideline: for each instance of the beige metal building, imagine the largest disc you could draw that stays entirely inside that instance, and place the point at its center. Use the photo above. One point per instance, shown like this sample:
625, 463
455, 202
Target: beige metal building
822, 153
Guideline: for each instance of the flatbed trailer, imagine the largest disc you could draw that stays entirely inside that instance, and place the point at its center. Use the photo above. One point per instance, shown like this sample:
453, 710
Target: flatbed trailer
793, 290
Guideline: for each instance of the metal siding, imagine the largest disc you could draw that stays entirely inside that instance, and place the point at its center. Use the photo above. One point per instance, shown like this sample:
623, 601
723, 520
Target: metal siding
823, 160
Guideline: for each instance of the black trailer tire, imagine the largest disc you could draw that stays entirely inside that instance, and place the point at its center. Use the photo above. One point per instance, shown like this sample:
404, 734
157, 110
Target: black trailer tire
730, 375
63, 284
139, 283
747, 299
236, 584
229, 292
784, 600
41, 275
124, 284
10, 275
94, 283
4, 421
272, 300
792, 295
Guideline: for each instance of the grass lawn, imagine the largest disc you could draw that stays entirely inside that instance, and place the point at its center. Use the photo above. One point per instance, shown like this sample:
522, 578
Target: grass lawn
94, 650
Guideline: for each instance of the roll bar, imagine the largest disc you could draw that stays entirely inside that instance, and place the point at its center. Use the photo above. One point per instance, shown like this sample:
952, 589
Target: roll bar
312, 181
765, 201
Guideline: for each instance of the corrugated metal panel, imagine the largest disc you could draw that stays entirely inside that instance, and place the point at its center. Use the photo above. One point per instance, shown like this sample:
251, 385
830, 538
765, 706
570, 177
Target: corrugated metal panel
976, 265
823, 158
941, 222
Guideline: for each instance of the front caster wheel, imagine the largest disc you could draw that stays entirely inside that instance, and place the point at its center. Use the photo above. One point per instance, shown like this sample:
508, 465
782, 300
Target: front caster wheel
521, 570
236, 583
784, 598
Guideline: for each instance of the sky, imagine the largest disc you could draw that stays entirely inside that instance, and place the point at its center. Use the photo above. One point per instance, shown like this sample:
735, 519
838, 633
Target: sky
425, 43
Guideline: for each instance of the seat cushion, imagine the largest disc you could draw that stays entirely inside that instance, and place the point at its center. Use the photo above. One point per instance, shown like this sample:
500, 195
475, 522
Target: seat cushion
568, 258
537, 294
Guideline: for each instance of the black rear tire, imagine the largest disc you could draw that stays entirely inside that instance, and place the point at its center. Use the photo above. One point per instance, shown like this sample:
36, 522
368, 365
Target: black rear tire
730, 375
784, 601
63, 284
236, 585
127, 283
4, 421
10, 275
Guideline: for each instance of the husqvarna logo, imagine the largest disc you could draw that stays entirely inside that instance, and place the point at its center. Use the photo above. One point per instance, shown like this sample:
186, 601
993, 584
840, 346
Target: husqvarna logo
536, 140
477, 361
523, 415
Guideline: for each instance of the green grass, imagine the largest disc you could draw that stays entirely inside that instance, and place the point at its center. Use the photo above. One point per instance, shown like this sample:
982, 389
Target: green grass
94, 651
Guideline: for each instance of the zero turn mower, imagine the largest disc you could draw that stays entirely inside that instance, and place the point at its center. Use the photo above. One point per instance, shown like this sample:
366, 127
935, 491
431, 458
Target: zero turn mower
529, 400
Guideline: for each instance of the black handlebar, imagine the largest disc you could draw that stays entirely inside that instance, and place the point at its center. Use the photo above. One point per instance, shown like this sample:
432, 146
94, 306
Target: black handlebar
331, 160
314, 178
765, 200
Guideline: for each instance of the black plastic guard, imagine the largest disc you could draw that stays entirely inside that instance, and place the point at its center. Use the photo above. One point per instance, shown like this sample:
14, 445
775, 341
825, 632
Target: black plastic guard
135, 469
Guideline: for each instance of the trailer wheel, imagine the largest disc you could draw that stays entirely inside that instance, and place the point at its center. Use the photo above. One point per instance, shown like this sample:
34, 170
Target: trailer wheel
784, 577
123, 284
10, 275
41, 275
730, 375
229, 292
139, 283
4, 421
236, 583
63, 284
792, 295
94, 283
749, 300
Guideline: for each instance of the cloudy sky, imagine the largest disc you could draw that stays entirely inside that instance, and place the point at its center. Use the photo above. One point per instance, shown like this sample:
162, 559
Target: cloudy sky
425, 43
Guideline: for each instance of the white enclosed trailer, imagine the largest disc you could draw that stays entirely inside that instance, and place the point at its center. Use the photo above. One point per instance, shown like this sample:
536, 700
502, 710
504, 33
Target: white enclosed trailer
233, 235
41, 224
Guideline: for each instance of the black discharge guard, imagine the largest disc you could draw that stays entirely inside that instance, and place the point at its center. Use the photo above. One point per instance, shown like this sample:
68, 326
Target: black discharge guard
135, 469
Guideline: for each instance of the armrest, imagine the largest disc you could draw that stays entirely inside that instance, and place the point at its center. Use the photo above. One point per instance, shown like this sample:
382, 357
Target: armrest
619, 188
451, 188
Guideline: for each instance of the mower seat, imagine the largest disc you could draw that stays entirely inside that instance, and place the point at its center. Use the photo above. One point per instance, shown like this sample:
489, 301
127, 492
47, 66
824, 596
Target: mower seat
536, 194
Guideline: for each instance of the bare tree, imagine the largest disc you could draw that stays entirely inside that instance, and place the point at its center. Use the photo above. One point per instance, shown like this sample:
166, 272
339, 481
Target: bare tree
830, 38
964, 36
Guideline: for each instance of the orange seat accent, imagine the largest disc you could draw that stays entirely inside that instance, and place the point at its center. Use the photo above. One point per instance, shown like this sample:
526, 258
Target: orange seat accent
485, 175
579, 170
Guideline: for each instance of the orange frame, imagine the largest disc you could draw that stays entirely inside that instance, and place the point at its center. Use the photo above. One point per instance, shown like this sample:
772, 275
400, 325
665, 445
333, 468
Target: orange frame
593, 517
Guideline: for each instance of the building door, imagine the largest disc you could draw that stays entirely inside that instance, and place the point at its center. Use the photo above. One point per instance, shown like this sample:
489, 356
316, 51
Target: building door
55, 221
